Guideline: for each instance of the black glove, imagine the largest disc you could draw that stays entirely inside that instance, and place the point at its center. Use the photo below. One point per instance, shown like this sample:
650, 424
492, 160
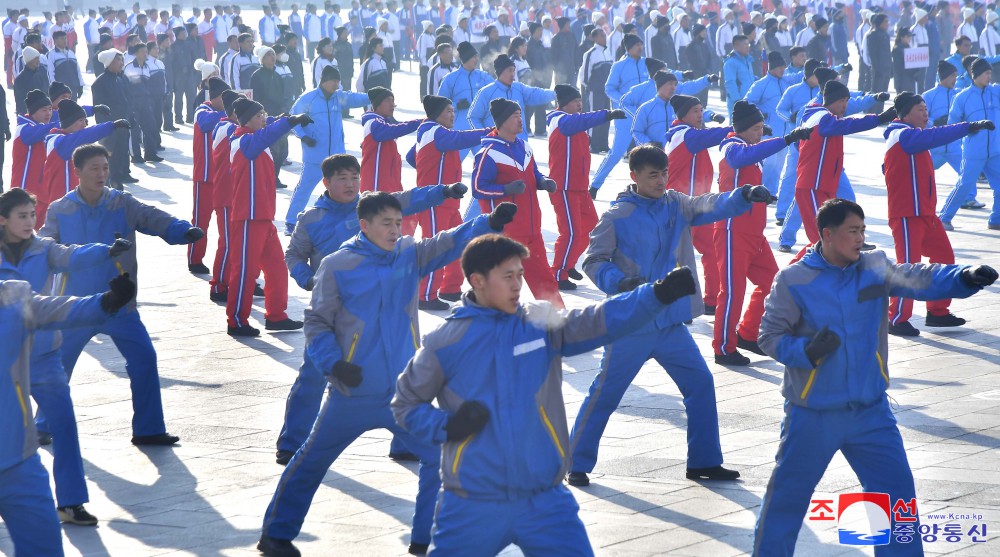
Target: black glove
514, 188
300, 120
941, 121
713, 78
688, 75
502, 215
102, 109
846, 67
629, 284
79, 92
758, 194
677, 284
122, 123
794, 115
455, 191
122, 291
310, 284
718, 118
980, 275
882, 97
308, 141
347, 373
547, 184
768, 130
887, 116
800, 133
194, 234
822, 344
616, 114
981, 125
462, 105
593, 194
120, 246
470, 419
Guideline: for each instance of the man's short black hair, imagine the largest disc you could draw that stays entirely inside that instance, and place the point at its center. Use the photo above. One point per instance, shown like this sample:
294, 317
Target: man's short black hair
58, 34
244, 37
795, 51
647, 154
336, 163
84, 153
374, 202
489, 251
833, 212
740, 39
15, 197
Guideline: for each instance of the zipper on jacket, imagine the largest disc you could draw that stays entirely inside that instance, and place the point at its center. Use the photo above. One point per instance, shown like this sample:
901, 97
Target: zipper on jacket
24, 406
809, 383
459, 452
881, 368
354, 345
552, 431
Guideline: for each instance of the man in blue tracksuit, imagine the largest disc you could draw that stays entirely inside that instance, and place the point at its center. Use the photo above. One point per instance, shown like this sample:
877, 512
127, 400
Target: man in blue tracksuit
26, 504
789, 110
646, 233
826, 321
981, 101
322, 138
505, 87
646, 90
94, 213
321, 231
361, 328
738, 71
939, 100
626, 73
500, 417
461, 87
654, 116
765, 94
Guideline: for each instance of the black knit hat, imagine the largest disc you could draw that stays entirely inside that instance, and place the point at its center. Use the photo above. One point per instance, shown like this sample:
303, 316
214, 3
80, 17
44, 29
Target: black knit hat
501, 63
654, 65
466, 51
228, 98
35, 100
378, 94
745, 115
629, 41
663, 77
820, 22
69, 112
945, 70
57, 89
775, 60
878, 20
823, 75
748, 28
682, 104
246, 109
979, 66
330, 73
501, 109
906, 101
566, 94
435, 105
216, 87
834, 91
810, 67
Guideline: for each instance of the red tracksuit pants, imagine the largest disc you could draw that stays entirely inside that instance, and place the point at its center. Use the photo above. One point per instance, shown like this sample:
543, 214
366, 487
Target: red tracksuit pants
448, 280
741, 257
202, 215
916, 237
255, 247
576, 218
220, 269
809, 202
703, 238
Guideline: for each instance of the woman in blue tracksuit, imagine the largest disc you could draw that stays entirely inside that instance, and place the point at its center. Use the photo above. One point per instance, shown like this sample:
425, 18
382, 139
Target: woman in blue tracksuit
826, 320
322, 138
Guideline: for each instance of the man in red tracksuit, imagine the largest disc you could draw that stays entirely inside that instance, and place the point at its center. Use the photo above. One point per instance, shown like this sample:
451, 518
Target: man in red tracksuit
381, 165
254, 239
743, 251
28, 149
222, 197
909, 180
821, 157
505, 170
691, 173
569, 166
206, 117
436, 158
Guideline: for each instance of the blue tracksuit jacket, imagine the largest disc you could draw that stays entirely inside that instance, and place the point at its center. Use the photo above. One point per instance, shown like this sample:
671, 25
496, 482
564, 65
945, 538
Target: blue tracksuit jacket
973, 104
652, 120
642, 92
524, 95
462, 85
939, 101
328, 121
793, 100
765, 94
738, 71
625, 74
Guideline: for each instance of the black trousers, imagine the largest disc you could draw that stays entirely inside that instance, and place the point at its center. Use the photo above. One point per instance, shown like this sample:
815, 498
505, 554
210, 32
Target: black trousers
145, 117
279, 151
117, 143
190, 91
599, 134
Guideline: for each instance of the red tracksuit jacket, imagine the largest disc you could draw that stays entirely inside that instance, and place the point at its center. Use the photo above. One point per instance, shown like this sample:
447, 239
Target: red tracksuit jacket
909, 170
59, 173
381, 165
569, 148
222, 194
205, 120
252, 170
690, 165
28, 153
742, 164
436, 155
499, 163
821, 157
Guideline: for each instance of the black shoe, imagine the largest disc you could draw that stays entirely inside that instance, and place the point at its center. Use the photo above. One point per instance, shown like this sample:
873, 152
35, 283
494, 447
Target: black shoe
947, 320
285, 324
258, 292
172, 129
280, 186
243, 331
433, 305
450, 296
44, 438
273, 547
282, 457
749, 345
903, 329
574, 274
348, 117
404, 456
199, 269
162, 439
219, 297
578, 479
128, 179
785, 249
709, 310
138, 160
286, 163
153, 158
779, 222
713, 473
566, 285
867, 247
732, 359
76, 514
161, 149
179, 121
418, 548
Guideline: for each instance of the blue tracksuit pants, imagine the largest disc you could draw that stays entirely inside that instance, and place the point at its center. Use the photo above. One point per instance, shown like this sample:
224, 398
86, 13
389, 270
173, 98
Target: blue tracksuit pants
545, 524
966, 186
51, 393
132, 340
312, 174
341, 420
793, 220
28, 511
675, 350
623, 138
871, 443
772, 171
786, 186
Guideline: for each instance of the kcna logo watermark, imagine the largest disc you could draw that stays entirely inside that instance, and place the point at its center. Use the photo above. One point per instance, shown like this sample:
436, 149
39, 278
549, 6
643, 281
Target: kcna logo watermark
873, 519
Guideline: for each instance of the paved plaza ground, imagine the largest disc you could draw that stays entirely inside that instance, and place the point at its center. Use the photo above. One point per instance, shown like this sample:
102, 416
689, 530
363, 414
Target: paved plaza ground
226, 397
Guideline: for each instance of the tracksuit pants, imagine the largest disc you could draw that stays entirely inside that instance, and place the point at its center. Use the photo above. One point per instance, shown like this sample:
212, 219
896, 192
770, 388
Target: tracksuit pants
341, 420
869, 440
576, 218
793, 218
311, 175
450, 279
255, 248
675, 350
970, 171
772, 171
538, 273
786, 184
916, 237
50, 390
623, 138
546, 523
221, 266
28, 511
201, 217
742, 257
132, 341
703, 238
